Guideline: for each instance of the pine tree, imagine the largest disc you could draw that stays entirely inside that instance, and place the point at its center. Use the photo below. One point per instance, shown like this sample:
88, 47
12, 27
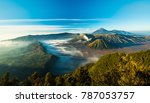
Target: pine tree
5, 79
48, 81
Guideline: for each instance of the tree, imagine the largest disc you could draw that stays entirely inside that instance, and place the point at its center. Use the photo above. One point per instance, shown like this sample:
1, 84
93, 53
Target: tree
59, 81
15, 81
4, 81
34, 79
48, 81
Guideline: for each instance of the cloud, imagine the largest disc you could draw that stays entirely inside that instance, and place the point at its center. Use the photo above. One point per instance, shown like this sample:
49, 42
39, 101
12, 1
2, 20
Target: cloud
20, 27
40, 20
13, 31
30, 27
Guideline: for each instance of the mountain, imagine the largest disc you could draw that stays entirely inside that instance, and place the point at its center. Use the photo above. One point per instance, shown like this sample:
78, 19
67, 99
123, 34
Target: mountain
119, 39
122, 32
104, 31
46, 37
106, 41
101, 31
22, 60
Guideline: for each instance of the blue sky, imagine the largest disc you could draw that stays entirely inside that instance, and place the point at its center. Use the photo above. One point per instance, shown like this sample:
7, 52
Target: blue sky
28, 16
44, 9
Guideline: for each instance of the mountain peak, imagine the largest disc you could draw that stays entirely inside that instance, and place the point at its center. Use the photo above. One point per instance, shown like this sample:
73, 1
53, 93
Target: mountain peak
101, 31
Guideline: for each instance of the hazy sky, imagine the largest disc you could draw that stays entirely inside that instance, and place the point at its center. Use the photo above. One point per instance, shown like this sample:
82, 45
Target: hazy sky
21, 17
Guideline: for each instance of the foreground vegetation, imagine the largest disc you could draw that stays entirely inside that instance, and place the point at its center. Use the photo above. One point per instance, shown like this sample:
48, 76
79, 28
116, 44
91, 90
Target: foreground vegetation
113, 69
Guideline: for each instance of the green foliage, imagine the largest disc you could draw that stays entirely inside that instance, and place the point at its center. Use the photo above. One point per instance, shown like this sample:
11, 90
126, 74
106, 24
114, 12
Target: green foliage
48, 79
122, 69
113, 69
59, 81
6, 81
104, 71
80, 77
33, 80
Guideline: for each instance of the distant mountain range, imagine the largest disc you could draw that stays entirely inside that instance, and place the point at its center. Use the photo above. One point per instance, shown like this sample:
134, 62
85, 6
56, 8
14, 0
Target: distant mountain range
104, 31
46, 37
99, 39
104, 39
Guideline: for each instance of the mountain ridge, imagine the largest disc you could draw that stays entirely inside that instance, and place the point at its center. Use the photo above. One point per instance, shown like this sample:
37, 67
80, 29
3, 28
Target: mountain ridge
45, 37
104, 31
112, 40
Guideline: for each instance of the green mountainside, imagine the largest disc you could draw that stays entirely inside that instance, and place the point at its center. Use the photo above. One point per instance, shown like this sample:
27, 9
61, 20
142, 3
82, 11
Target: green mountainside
113, 69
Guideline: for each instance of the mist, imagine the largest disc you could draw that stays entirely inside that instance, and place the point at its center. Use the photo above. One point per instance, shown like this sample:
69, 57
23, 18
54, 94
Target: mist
11, 49
70, 58
9, 46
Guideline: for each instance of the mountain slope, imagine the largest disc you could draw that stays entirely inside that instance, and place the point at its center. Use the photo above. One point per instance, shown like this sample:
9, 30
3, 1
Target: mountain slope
27, 59
98, 44
113, 69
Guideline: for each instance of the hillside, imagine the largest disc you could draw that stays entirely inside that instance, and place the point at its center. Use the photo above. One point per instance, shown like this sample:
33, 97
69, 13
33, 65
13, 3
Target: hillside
112, 69
25, 60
